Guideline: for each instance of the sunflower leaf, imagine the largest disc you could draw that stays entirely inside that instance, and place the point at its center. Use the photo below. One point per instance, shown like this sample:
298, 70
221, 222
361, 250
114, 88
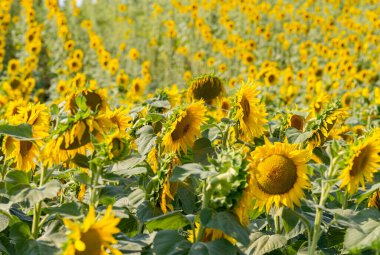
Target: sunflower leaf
170, 242
262, 243
219, 246
22, 131
369, 237
169, 221
146, 139
180, 173
4, 222
226, 222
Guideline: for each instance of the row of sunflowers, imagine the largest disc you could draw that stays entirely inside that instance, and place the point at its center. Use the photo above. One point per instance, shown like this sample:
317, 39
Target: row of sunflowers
189, 127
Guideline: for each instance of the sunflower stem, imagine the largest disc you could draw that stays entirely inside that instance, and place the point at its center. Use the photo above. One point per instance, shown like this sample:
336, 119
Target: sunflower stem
318, 218
94, 182
277, 224
208, 192
37, 209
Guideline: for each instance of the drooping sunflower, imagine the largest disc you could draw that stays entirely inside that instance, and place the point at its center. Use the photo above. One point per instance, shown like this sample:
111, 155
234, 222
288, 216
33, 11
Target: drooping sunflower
210, 234
278, 174
374, 200
92, 237
65, 145
324, 123
36, 115
208, 88
184, 127
23, 152
363, 160
96, 100
120, 118
250, 112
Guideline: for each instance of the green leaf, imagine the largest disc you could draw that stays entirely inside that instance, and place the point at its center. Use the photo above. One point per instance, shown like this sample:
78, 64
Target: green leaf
161, 104
129, 167
217, 247
289, 219
368, 193
262, 243
22, 131
145, 211
146, 139
16, 181
67, 209
83, 178
35, 247
20, 232
296, 136
35, 195
169, 221
201, 150
109, 194
169, 242
4, 222
81, 160
226, 222
180, 173
369, 237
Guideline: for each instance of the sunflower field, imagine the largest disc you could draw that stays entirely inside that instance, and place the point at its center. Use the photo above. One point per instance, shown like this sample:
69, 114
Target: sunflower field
202, 127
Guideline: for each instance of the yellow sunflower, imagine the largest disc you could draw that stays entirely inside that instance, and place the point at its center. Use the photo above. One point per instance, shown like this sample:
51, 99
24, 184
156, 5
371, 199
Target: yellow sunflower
184, 128
22, 152
250, 112
95, 100
119, 117
60, 148
363, 160
278, 174
92, 237
374, 200
208, 88
116, 145
36, 115
210, 234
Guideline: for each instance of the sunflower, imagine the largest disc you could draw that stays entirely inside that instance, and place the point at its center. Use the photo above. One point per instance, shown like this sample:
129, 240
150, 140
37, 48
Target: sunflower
137, 87
363, 160
96, 100
116, 145
119, 117
184, 128
74, 65
21, 151
278, 174
374, 200
64, 146
208, 88
210, 234
250, 112
13, 67
324, 123
36, 115
92, 237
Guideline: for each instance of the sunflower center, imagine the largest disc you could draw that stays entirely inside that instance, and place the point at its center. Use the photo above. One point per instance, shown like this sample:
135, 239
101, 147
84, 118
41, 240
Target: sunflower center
296, 122
246, 107
360, 162
276, 174
271, 78
181, 129
15, 83
25, 147
93, 242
